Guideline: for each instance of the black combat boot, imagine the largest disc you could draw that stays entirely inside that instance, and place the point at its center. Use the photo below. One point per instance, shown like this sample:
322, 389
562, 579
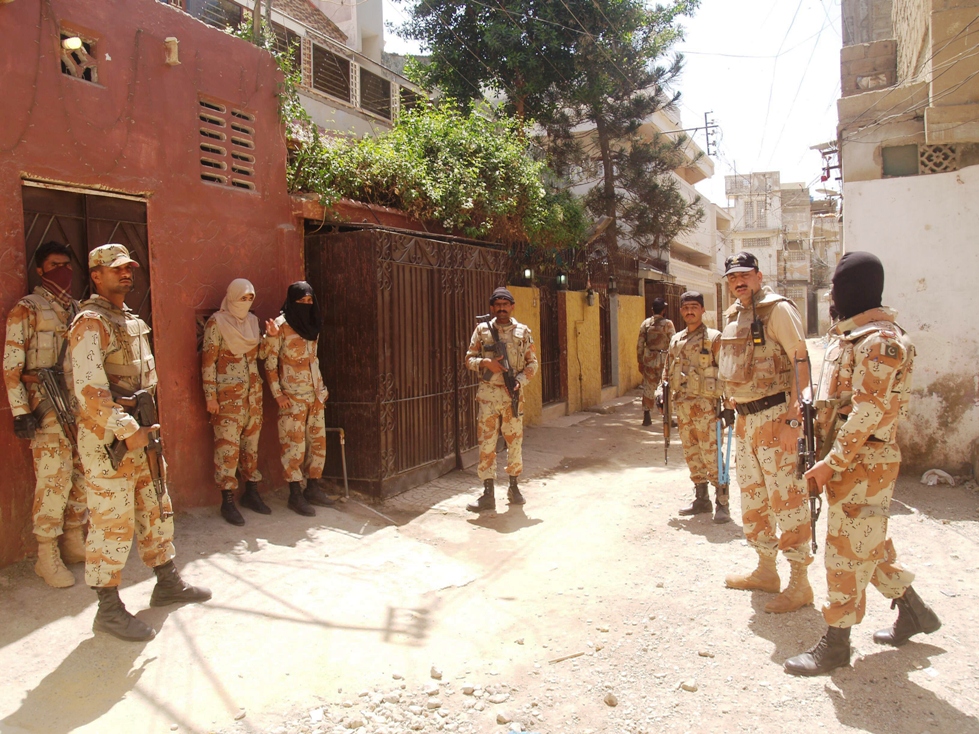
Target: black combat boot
913, 616
251, 499
297, 503
722, 513
113, 618
830, 653
315, 494
646, 420
228, 510
486, 501
513, 493
701, 502
171, 589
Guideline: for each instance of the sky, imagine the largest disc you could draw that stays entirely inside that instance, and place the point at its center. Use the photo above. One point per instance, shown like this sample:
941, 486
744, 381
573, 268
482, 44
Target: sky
767, 71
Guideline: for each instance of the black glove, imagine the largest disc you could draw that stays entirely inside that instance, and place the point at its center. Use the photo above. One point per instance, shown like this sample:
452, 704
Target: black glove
727, 417
25, 426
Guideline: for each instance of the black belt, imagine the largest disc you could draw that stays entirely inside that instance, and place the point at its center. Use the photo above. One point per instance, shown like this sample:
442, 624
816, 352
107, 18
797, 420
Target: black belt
757, 406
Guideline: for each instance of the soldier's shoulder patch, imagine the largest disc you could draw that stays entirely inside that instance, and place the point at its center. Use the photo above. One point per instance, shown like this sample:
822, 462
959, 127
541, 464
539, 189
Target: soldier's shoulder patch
892, 350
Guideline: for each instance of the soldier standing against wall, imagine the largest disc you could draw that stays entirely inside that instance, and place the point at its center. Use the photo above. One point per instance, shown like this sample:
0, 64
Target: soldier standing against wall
111, 360
292, 368
37, 328
654, 340
233, 393
494, 402
691, 371
762, 361
863, 392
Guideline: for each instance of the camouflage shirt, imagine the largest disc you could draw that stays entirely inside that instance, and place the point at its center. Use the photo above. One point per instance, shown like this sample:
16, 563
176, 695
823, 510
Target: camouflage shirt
228, 377
292, 364
519, 346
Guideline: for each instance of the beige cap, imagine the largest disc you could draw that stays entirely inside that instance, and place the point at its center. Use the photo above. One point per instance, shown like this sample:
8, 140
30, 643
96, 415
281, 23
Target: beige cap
110, 256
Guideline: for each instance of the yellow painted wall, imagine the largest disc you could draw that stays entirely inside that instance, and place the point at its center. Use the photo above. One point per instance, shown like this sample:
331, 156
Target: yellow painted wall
584, 352
631, 314
527, 311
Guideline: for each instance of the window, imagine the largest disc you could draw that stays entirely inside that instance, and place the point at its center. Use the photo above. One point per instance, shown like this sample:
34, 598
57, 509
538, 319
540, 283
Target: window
331, 73
409, 98
218, 13
288, 41
900, 160
375, 94
78, 56
227, 145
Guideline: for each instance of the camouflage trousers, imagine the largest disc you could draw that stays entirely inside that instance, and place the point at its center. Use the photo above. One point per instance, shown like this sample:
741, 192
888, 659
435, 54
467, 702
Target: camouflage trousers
59, 491
236, 447
494, 414
696, 418
652, 378
858, 551
771, 495
122, 504
302, 439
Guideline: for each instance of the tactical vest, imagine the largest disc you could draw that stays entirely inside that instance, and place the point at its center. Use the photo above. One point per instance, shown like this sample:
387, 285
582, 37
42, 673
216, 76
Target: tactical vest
49, 334
834, 393
750, 371
694, 373
515, 348
129, 356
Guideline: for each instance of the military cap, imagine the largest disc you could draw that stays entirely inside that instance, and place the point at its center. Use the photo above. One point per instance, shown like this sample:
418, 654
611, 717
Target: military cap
110, 256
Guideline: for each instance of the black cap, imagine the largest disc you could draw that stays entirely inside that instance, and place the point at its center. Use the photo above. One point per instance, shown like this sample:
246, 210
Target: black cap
659, 305
743, 262
502, 292
692, 296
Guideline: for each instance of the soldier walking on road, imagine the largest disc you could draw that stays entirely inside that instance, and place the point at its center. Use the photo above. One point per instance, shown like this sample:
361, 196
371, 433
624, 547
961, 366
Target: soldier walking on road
654, 341
863, 392
691, 373
233, 392
37, 328
292, 368
763, 359
494, 400
111, 361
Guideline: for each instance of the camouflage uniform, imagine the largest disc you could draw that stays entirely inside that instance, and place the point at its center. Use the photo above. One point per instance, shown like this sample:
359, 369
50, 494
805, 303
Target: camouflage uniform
864, 391
771, 494
494, 406
233, 381
691, 369
110, 350
292, 368
36, 331
654, 341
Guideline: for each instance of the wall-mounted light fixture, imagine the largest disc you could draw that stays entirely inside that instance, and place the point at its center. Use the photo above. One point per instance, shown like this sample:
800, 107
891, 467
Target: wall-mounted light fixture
590, 297
528, 276
173, 53
71, 43
613, 286
562, 282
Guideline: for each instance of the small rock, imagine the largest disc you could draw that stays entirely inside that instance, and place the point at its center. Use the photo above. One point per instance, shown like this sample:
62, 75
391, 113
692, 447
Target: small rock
354, 722
468, 690
603, 629
499, 697
432, 689
240, 715
502, 718
659, 584
689, 685
436, 673
433, 703
706, 654
174, 727
316, 715
416, 710
393, 697
610, 699
519, 640
397, 676
479, 706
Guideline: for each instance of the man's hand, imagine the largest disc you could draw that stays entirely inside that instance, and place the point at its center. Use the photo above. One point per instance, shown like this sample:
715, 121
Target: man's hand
493, 365
141, 439
820, 474
788, 437
213, 407
283, 401
271, 328
25, 426
727, 417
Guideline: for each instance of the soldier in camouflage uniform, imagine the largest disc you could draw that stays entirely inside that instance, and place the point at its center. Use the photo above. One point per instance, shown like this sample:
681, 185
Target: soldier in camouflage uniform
233, 395
691, 371
762, 361
292, 367
494, 401
111, 359
863, 392
654, 341
36, 330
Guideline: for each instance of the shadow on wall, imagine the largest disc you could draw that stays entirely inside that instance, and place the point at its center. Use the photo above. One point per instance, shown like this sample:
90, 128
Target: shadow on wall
943, 426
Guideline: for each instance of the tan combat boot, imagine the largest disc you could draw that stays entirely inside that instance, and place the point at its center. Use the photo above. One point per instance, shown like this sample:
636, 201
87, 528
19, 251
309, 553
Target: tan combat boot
73, 546
763, 578
49, 565
796, 595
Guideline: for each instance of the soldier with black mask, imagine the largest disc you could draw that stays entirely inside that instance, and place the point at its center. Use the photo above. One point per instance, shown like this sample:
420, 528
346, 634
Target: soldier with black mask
863, 392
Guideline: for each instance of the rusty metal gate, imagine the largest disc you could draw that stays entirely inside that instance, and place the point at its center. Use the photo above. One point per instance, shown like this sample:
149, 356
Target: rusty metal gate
549, 347
605, 336
83, 222
398, 313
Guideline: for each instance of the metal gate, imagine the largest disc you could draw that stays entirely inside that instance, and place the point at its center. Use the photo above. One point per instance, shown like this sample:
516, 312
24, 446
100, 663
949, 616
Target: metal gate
605, 336
398, 313
83, 222
549, 346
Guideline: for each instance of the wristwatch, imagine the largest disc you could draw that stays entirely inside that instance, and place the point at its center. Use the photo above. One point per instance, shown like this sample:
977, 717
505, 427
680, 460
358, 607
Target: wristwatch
793, 423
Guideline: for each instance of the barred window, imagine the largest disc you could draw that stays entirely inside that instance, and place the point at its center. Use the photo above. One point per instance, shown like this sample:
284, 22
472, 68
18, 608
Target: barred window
331, 73
375, 94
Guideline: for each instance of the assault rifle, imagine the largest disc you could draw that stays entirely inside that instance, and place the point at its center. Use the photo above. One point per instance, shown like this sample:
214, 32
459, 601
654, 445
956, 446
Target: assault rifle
142, 406
500, 354
725, 417
667, 422
52, 383
807, 449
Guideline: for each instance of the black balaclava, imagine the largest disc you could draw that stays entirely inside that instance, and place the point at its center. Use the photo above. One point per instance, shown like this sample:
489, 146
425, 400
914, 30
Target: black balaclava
858, 284
303, 317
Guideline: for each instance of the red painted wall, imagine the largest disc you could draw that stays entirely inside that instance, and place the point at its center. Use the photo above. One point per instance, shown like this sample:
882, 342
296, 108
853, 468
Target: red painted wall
137, 132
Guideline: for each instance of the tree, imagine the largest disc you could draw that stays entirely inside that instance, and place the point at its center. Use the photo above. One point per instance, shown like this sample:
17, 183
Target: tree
591, 73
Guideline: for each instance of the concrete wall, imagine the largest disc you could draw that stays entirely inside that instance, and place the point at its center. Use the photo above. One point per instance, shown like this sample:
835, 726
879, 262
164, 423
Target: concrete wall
583, 353
630, 313
866, 20
910, 21
527, 311
924, 228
